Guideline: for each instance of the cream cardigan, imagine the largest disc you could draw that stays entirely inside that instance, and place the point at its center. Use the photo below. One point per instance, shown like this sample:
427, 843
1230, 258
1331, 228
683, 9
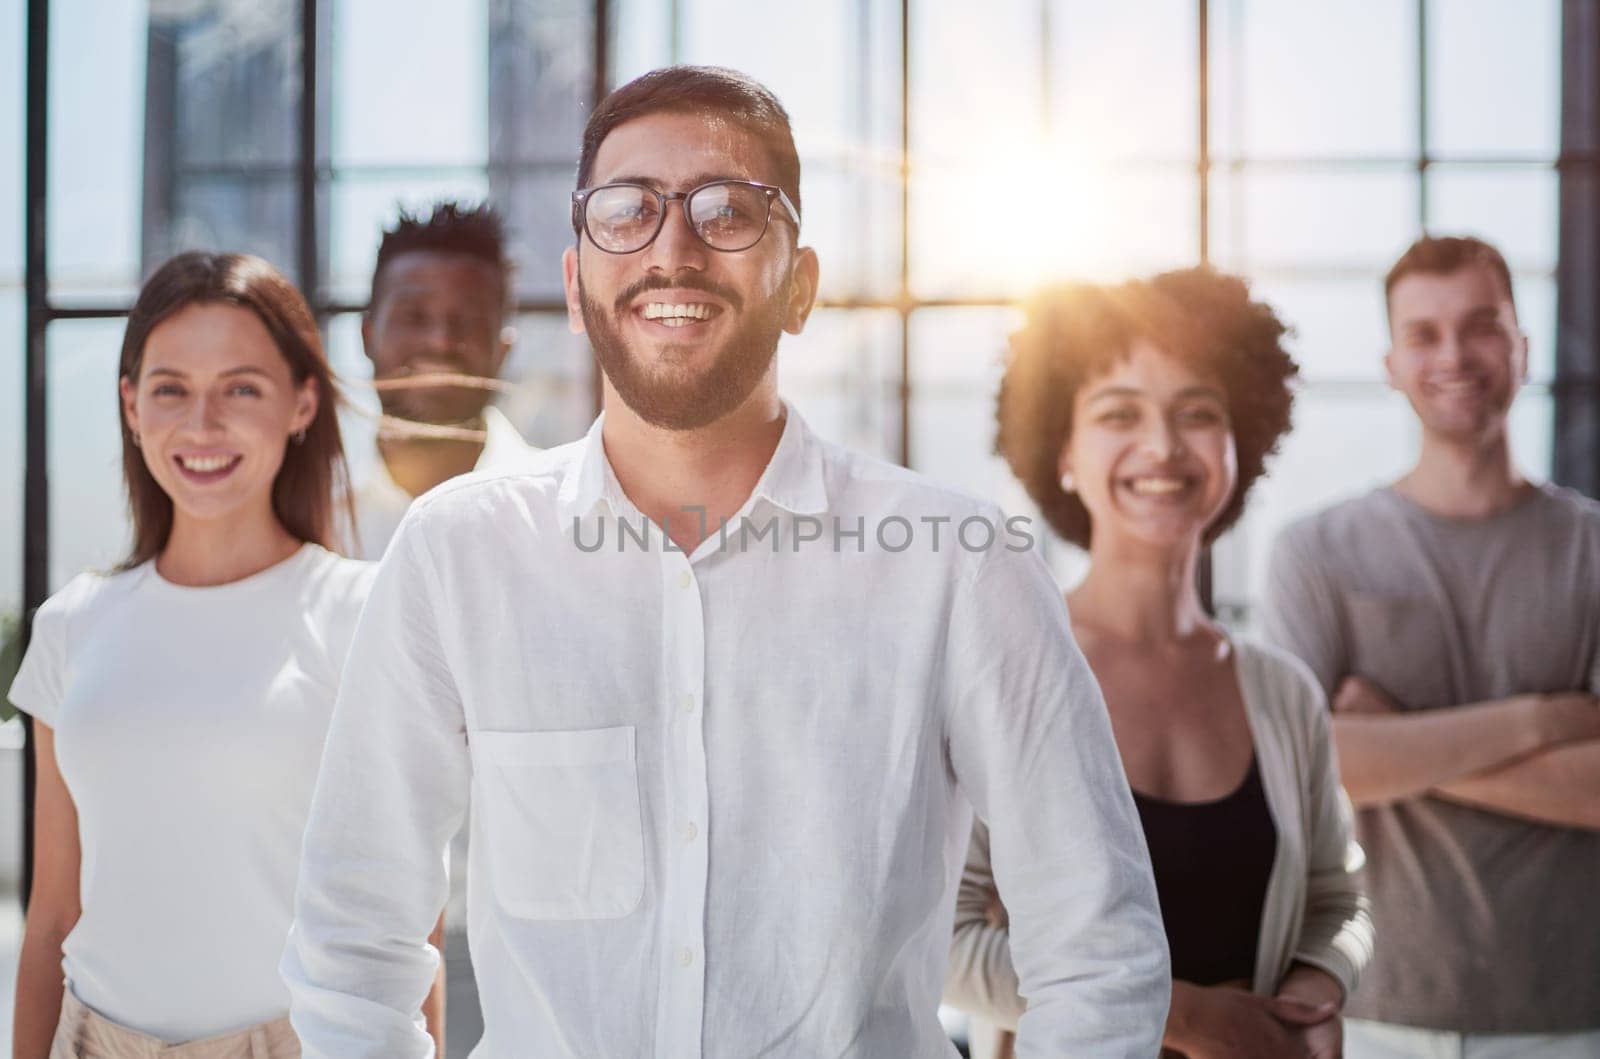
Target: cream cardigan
1314, 911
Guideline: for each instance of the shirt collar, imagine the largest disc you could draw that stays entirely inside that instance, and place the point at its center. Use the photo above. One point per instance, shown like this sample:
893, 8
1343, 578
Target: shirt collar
793, 479
583, 489
502, 445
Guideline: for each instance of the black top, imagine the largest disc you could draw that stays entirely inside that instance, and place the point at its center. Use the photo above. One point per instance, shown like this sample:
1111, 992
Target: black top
1211, 861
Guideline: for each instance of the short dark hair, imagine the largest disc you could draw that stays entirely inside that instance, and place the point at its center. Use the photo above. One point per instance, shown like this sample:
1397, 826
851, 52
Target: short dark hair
313, 484
696, 89
1440, 255
1075, 332
473, 230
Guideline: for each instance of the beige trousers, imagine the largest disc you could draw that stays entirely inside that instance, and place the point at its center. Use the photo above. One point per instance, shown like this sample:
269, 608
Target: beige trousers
84, 1034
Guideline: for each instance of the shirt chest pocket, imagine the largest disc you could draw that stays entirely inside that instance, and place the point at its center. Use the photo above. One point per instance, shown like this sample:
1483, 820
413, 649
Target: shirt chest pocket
562, 821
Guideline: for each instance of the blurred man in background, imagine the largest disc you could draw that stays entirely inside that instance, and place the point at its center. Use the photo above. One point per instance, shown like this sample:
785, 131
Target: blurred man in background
1454, 620
437, 334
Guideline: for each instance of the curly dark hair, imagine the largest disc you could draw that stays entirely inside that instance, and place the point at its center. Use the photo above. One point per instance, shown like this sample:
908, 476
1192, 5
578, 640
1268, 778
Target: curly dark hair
472, 229
1077, 331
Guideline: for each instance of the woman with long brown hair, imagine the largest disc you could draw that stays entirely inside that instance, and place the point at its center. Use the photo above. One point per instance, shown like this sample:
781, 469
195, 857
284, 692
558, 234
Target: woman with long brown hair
180, 701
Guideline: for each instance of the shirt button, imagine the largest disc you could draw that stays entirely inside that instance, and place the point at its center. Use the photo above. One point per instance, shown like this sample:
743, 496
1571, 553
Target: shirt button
688, 704
684, 579
690, 832
686, 957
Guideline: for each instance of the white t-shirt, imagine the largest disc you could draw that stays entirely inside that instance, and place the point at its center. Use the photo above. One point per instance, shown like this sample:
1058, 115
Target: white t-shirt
189, 725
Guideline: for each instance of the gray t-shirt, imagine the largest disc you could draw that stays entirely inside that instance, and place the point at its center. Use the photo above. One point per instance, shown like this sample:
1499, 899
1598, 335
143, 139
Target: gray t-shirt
1484, 923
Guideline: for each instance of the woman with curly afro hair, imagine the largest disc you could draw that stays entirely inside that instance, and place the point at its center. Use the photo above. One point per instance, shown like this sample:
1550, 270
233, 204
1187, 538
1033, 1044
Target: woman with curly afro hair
1138, 416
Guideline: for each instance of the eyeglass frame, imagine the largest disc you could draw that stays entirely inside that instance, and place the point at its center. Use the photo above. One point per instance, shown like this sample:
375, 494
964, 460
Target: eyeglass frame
580, 212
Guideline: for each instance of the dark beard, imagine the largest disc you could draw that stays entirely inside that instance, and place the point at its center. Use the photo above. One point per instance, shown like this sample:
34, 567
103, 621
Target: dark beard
670, 397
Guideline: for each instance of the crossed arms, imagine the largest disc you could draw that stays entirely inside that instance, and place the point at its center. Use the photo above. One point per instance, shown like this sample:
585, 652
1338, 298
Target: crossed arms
1536, 757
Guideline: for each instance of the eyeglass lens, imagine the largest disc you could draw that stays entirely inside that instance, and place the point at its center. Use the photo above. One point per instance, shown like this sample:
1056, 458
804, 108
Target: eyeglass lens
622, 218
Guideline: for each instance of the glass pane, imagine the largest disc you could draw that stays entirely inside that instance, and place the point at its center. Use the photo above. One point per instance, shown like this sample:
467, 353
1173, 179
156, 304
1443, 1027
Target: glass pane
1085, 222
1314, 80
852, 220
436, 114
181, 134
540, 61
824, 66
1347, 439
221, 141
13, 74
554, 374
1339, 328
258, 216
1141, 58
363, 208
88, 505
1494, 77
1297, 219
12, 401
358, 413
224, 84
97, 109
536, 206
1516, 209
13, 314
810, 60
540, 81
641, 40
975, 84
1536, 311
957, 358
1532, 431
843, 375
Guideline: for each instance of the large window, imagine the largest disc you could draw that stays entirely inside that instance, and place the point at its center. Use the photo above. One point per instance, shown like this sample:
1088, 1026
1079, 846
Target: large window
207, 141
179, 124
1155, 134
1323, 169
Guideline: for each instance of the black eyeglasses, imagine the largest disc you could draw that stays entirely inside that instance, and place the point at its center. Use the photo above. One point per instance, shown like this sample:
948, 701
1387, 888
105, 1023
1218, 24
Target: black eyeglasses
726, 215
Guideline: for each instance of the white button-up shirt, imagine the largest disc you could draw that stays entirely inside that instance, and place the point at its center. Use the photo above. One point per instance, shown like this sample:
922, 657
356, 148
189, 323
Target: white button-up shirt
722, 799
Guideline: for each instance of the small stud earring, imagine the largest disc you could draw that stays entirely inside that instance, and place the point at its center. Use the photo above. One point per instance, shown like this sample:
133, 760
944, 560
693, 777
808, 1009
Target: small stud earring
300, 436
137, 443
1069, 484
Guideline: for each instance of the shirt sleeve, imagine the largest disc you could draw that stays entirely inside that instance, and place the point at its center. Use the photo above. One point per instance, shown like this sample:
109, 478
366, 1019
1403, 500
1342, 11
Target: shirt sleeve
1302, 610
41, 680
1337, 934
391, 793
1031, 746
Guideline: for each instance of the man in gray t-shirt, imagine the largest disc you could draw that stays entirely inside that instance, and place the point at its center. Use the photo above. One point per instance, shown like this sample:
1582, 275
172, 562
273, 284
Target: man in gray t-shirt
1454, 620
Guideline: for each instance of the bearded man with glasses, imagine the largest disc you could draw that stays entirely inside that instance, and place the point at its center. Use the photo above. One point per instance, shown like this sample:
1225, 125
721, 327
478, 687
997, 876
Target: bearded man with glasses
722, 793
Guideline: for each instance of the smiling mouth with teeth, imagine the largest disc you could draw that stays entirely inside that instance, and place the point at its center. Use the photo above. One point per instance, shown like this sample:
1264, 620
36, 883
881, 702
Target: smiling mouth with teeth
1157, 486
679, 314
207, 464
